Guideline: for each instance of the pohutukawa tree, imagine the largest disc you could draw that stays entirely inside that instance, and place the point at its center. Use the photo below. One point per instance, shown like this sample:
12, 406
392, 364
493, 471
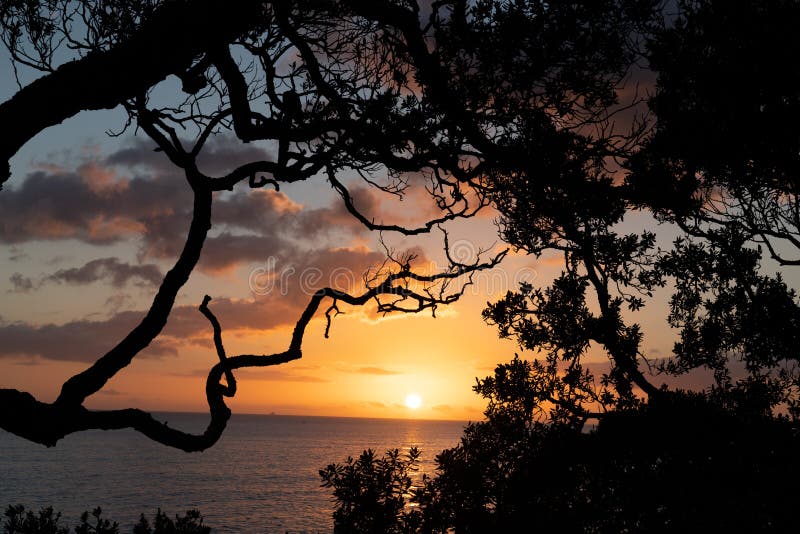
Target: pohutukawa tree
717, 159
493, 102
337, 88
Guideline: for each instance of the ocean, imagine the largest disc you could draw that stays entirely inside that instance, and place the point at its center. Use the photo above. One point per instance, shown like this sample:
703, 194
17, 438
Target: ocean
262, 476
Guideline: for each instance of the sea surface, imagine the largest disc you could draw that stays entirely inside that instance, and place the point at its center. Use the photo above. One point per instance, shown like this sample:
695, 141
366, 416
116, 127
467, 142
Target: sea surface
262, 476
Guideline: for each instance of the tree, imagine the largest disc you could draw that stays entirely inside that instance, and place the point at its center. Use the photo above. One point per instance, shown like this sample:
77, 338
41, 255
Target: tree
371, 492
724, 106
719, 168
345, 105
680, 464
718, 163
375, 85
721, 163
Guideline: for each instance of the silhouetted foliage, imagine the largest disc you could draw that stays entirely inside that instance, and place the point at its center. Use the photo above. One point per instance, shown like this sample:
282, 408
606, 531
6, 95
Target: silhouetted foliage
676, 465
734, 321
96, 524
190, 523
47, 521
363, 96
371, 492
723, 151
725, 99
720, 163
682, 463
733, 318
18, 521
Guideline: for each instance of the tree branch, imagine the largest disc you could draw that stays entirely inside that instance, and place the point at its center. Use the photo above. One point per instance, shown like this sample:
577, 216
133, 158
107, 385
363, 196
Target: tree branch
165, 44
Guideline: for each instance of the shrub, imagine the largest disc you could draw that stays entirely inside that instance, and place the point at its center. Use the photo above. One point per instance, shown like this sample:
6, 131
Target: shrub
20, 521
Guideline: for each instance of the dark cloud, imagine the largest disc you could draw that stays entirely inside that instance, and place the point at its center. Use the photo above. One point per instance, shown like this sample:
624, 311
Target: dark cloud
49, 206
255, 210
143, 154
228, 250
377, 371
20, 283
220, 155
111, 269
99, 204
82, 340
95, 205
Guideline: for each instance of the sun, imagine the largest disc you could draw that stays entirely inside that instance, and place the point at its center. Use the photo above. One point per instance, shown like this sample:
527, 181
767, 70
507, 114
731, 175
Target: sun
413, 401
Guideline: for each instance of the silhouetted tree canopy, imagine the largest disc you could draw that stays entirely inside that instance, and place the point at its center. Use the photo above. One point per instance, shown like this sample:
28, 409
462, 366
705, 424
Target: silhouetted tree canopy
726, 100
362, 95
574, 444
723, 151
453, 90
682, 464
532, 108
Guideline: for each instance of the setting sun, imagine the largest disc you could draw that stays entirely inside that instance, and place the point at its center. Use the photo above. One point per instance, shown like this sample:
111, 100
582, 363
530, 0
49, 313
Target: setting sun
413, 401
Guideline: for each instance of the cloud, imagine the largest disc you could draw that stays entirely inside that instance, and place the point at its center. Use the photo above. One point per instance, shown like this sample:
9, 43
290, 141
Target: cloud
226, 251
64, 206
20, 283
377, 371
95, 204
442, 408
136, 195
110, 269
81, 340
86, 340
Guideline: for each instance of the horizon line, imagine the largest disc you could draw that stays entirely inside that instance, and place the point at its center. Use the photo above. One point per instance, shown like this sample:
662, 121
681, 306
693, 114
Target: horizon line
276, 414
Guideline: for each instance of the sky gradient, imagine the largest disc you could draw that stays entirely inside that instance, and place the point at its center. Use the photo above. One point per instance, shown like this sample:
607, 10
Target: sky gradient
92, 222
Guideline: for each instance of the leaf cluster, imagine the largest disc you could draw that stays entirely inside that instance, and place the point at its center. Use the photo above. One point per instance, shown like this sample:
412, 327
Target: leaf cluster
371, 492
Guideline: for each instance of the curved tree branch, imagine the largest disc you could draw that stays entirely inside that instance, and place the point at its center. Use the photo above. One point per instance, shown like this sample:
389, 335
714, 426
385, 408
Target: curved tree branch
165, 44
169, 42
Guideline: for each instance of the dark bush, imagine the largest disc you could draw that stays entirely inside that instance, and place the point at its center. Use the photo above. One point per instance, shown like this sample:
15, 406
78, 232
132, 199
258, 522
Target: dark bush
47, 521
